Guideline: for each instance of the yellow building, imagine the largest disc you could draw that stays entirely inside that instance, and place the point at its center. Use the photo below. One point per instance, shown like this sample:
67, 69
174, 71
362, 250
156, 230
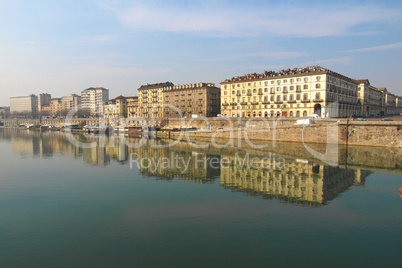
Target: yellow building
150, 99
389, 101
290, 93
370, 98
56, 107
116, 108
132, 106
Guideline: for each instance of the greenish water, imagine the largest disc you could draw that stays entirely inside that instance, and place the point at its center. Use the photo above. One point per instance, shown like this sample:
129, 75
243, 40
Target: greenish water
114, 206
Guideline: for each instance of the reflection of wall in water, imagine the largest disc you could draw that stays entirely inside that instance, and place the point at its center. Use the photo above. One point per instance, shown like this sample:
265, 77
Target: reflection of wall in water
295, 182
96, 156
196, 166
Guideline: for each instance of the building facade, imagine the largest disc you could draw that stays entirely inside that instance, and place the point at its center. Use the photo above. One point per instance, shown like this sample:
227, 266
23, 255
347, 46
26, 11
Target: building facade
151, 99
93, 99
116, 108
23, 105
41, 100
70, 101
389, 101
370, 98
290, 93
56, 107
201, 99
132, 106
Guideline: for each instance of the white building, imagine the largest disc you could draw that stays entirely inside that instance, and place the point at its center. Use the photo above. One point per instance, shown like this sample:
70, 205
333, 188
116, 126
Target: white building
23, 104
94, 98
42, 100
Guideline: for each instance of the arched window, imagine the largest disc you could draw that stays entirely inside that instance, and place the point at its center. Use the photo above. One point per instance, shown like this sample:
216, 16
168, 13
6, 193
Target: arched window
305, 114
297, 113
291, 114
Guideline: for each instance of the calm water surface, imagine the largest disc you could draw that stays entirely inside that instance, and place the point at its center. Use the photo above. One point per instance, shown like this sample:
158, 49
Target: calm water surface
63, 206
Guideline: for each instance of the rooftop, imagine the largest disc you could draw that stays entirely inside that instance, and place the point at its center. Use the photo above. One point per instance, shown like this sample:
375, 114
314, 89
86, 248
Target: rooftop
286, 73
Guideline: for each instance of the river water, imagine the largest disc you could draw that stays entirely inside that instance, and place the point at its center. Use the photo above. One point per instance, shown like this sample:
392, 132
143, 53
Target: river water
194, 206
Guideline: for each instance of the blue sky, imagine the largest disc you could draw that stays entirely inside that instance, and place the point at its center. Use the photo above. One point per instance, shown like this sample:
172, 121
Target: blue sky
62, 47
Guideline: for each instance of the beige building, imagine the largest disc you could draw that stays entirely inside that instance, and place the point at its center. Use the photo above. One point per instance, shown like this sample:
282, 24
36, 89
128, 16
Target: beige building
389, 101
93, 99
41, 100
166, 100
132, 106
151, 99
202, 99
370, 98
56, 107
290, 93
116, 108
70, 101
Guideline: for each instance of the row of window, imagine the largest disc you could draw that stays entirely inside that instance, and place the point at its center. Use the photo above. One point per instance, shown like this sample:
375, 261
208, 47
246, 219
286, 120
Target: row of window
272, 82
278, 98
271, 90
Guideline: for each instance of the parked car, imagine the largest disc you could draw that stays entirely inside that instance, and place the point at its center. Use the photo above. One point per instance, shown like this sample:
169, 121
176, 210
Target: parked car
387, 119
361, 119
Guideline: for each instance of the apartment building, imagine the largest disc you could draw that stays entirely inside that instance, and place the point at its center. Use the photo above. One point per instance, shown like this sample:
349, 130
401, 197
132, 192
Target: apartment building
42, 100
290, 93
370, 98
151, 99
202, 99
116, 108
93, 99
56, 107
389, 101
70, 101
132, 106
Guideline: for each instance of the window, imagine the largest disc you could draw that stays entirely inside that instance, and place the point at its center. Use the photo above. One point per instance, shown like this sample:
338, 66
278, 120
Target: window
266, 83
305, 79
305, 96
243, 91
266, 98
238, 85
305, 87
272, 82
272, 98
318, 78
278, 97
278, 82
285, 80
254, 90
292, 80
317, 85
285, 97
233, 92
225, 86
298, 79
278, 88
291, 97
225, 93
298, 87
292, 88
265, 89
298, 97
317, 96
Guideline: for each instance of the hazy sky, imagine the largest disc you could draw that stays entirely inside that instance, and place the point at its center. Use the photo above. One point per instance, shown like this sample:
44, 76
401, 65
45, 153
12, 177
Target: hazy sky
62, 47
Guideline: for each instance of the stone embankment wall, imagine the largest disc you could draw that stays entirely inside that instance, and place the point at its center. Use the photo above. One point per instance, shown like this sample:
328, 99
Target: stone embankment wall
339, 131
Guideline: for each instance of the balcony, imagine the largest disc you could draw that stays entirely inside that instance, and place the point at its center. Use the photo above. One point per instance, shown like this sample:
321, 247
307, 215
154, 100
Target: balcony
305, 101
254, 103
243, 103
238, 94
291, 101
248, 94
266, 102
259, 93
298, 90
278, 102
318, 100
233, 103
225, 104
272, 92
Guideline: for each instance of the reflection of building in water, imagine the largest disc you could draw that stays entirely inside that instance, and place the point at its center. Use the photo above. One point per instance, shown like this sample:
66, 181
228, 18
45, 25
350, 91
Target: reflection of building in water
117, 149
293, 181
170, 163
96, 155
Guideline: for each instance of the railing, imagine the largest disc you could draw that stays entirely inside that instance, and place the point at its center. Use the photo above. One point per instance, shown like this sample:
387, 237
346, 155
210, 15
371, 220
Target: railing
278, 102
291, 101
305, 101
318, 100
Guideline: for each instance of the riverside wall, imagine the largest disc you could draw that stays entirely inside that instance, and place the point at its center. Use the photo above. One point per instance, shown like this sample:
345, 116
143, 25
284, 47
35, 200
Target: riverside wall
324, 131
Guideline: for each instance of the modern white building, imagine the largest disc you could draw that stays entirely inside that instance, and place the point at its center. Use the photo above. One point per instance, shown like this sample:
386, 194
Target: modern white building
94, 98
23, 104
70, 101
